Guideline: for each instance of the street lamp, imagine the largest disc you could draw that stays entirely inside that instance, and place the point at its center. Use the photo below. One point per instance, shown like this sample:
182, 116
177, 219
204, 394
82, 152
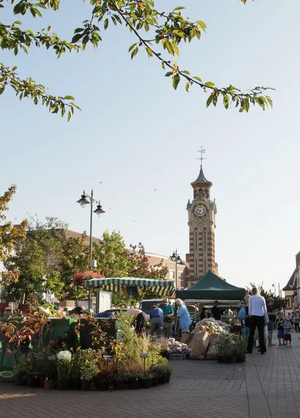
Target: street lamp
176, 258
89, 200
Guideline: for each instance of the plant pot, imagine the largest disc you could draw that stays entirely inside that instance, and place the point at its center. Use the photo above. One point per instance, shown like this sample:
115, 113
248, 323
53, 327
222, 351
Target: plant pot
220, 359
85, 384
119, 385
233, 359
145, 383
102, 385
48, 384
154, 381
133, 383
161, 380
62, 384
75, 384
20, 380
167, 377
32, 381
226, 359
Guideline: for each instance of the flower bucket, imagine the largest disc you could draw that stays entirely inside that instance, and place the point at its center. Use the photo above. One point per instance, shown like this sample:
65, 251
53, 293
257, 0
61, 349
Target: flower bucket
145, 383
161, 380
85, 384
226, 359
167, 378
154, 381
48, 384
119, 385
102, 385
32, 381
75, 384
133, 383
20, 380
62, 384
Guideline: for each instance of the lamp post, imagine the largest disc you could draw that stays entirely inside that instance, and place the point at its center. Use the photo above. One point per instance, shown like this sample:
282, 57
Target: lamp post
89, 200
176, 258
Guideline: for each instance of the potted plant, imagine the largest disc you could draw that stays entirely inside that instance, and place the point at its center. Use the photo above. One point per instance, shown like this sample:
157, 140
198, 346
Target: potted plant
63, 365
75, 372
241, 345
224, 348
102, 381
145, 380
88, 374
119, 379
133, 381
159, 372
21, 371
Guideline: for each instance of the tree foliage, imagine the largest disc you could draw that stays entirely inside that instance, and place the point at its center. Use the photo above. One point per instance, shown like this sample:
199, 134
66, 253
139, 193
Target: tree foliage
34, 258
10, 235
279, 303
158, 33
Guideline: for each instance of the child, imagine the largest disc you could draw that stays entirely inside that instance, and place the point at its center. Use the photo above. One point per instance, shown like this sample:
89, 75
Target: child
280, 331
287, 327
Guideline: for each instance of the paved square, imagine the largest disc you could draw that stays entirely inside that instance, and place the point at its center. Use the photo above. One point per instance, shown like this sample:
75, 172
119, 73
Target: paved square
266, 386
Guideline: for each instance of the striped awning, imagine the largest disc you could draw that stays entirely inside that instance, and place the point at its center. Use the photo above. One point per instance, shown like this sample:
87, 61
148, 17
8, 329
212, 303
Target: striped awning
162, 287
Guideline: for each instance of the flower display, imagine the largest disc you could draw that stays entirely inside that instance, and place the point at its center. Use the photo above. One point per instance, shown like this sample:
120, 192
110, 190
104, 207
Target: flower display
174, 347
79, 277
65, 355
212, 326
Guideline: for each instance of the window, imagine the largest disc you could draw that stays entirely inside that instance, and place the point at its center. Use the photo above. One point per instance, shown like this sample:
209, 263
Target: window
204, 241
181, 276
195, 241
171, 274
196, 267
205, 266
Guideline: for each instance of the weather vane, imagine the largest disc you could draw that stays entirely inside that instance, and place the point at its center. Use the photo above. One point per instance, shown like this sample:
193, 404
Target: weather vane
202, 151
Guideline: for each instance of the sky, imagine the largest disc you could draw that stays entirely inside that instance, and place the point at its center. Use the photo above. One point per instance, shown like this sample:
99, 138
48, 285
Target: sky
135, 142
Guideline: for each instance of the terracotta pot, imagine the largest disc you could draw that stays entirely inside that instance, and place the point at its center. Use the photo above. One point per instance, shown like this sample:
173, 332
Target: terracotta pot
48, 384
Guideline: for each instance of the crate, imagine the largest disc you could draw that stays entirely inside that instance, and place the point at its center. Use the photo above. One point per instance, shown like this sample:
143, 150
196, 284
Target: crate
177, 356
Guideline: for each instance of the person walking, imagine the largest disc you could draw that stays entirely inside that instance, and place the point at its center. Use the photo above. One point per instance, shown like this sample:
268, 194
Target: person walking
280, 331
156, 321
287, 331
272, 319
258, 313
244, 318
168, 313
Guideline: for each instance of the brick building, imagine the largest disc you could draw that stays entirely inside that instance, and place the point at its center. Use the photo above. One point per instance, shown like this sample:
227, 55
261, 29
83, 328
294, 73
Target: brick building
292, 288
201, 221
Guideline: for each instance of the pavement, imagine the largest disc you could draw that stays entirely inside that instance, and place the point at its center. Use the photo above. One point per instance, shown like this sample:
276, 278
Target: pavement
266, 386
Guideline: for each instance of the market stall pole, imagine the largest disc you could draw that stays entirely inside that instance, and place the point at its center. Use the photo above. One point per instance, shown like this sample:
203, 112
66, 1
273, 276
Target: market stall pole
114, 284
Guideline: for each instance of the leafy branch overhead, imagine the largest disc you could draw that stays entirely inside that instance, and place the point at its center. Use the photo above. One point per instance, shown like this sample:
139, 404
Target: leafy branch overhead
158, 33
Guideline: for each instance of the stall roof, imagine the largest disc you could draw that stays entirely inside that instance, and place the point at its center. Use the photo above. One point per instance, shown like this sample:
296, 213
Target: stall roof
162, 287
212, 287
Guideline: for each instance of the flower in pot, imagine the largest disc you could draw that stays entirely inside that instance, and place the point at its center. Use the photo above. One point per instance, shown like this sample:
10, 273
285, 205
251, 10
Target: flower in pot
74, 375
145, 380
21, 371
224, 347
133, 381
162, 372
88, 374
63, 365
241, 345
119, 379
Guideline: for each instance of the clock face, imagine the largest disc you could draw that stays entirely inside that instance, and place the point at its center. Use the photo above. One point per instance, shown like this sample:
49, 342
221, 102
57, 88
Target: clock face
200, 210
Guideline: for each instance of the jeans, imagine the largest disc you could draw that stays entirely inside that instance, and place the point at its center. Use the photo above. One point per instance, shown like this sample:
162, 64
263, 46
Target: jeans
156, 326
259, 322
296, 326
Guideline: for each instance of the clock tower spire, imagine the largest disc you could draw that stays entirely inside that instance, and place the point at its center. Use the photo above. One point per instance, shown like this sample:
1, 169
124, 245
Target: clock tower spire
201, 222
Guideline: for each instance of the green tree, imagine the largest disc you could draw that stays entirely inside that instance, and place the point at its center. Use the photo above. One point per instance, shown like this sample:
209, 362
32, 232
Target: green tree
10, 235
158, 33
75, 258
139, 265
279, 303
35, 258
111, 255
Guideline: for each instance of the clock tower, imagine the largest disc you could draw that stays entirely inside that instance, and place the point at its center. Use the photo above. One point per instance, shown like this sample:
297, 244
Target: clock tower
201, 222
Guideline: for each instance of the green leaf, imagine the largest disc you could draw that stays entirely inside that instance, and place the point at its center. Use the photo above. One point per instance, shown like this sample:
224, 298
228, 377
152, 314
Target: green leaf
209, 84
168, 74
176, 80
187, 86
106, 22
198, 79
69, 98
76, 38
69, 116
209, 100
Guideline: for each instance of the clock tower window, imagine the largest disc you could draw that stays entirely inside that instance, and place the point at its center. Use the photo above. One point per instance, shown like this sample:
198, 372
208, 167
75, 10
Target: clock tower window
205, 267
204, 241
196, 241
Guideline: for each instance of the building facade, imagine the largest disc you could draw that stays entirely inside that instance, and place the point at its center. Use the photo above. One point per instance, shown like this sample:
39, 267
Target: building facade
201, 222
292, 288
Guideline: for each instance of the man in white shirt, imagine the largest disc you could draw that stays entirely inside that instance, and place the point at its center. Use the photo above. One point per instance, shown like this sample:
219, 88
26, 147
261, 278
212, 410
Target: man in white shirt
258, 313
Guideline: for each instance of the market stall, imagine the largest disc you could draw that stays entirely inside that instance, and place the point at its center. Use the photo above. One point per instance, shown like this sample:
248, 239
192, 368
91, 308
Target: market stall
115, 284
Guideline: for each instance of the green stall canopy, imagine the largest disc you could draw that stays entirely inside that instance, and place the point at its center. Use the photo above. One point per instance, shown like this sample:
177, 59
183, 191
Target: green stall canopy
212, 287
162, 287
